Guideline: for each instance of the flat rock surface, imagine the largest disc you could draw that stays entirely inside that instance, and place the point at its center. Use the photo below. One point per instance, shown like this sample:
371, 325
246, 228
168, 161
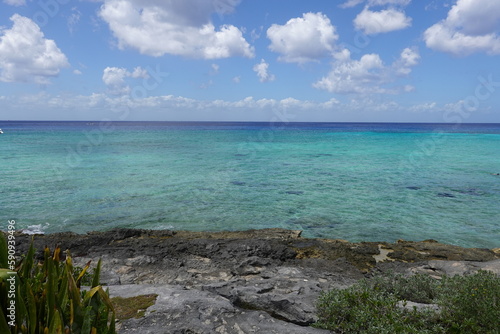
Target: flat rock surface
258, 281
178, 310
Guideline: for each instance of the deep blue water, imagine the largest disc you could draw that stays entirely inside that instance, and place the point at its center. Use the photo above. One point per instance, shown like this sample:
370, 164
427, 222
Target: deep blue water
354, 181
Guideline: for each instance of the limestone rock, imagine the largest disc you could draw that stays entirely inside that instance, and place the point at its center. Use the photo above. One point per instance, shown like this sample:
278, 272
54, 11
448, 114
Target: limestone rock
178, 310
452, 268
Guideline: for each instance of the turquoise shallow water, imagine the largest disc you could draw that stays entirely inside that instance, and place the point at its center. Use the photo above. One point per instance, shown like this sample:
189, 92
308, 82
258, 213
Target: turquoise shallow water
360, 182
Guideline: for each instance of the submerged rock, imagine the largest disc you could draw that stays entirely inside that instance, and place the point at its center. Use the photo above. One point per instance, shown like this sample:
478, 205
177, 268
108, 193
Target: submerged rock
238, 183
294, 192
446, 195
471, 191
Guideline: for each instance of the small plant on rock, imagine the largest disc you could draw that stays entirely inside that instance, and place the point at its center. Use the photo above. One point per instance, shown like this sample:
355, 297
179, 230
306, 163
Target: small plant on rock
48, 299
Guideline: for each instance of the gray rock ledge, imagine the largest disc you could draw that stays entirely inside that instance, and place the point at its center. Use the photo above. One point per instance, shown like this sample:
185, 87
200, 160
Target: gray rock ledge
179, 310
257, 281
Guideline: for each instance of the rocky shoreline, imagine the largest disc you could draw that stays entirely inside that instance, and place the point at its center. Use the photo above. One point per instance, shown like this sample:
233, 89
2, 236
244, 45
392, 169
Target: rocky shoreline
256, 281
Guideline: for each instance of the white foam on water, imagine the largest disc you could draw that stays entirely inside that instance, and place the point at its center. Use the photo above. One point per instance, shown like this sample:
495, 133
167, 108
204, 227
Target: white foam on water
36, 229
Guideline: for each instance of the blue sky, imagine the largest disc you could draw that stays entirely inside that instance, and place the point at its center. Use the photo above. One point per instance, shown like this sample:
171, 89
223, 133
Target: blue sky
250, 60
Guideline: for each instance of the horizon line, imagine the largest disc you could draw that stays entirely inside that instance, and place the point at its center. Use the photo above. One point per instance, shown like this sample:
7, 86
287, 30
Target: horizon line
274, 122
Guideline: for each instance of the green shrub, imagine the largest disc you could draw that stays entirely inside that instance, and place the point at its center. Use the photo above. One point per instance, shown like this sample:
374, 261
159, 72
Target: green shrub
469, 304
419, 288
363, 309
48, 298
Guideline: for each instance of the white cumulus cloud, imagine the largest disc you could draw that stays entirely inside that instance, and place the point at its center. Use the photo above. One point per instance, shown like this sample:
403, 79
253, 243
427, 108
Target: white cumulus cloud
114, 78
409, 58
368, 75
26, 55
475, 17
376, 22
303, 39
471, 26
181, 28
353, 76
262, 71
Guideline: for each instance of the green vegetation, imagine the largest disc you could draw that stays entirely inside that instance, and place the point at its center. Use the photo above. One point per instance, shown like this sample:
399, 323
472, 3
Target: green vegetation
88, 276
48, 298
469, 304
133, 307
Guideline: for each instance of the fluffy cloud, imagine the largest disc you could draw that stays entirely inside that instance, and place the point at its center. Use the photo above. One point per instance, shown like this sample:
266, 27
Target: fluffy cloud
475, 17
409, 58
354, 76
26, 55
262, 71
367, 75
371, 22
353, 3
114, 78
303, 39
471, 26
15, 2
174, 27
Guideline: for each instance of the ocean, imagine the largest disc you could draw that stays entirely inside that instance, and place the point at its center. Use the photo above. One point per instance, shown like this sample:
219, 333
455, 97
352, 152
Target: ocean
352, 181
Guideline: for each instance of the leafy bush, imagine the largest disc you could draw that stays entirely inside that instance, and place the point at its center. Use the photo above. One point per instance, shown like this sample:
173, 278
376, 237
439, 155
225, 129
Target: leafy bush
364, 309
469, 304
419, 288
48, 298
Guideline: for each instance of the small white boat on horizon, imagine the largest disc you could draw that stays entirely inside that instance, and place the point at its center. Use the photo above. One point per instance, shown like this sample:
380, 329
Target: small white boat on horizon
1, 131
